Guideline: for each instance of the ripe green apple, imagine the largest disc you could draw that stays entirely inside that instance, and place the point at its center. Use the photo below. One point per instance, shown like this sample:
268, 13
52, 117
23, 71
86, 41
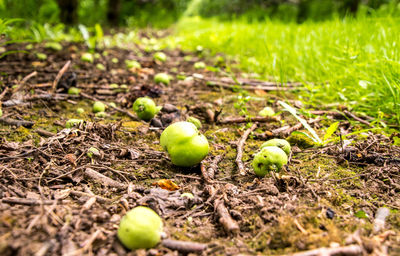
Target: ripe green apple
162, 78
160, 56
73, 91
87, 57
184, 144
140, 228
99, 106
267, 111
145, 108
269, 159
199, 65
280, 143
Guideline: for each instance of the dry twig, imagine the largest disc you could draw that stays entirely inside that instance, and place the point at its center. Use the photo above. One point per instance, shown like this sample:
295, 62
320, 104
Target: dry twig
184, 246
9, 121
350, 250
267, 119
240, 145
106, 181
229, 224
59, 75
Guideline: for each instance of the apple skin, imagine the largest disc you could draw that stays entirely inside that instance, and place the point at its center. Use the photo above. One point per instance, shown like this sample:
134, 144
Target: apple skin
99, 106
140, 228
185, 146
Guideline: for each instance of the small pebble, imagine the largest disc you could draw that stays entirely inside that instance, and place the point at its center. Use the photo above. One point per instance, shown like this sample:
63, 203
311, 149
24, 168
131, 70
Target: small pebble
330, 214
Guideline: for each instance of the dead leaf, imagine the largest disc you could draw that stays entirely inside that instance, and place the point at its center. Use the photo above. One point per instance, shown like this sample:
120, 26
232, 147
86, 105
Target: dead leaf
70, 158
166, 184
260, 92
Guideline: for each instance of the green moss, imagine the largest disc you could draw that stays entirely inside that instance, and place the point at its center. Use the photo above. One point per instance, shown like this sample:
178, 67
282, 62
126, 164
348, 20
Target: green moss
300, 140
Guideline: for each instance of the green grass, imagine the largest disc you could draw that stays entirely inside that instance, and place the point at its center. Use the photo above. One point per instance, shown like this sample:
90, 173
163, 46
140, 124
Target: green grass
358, 60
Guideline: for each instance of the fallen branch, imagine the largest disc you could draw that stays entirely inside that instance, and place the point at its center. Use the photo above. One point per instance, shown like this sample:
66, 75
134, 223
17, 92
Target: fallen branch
240, 145
9, 121
3, 94
111, 106
351, 250
184, 246
267, 119
59, 75
204, 173
212, 169
27, 201
229, 224
44, 133
351, 115
106, 181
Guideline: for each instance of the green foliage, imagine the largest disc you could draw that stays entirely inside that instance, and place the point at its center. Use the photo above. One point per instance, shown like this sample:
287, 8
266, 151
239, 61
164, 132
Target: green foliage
336, 59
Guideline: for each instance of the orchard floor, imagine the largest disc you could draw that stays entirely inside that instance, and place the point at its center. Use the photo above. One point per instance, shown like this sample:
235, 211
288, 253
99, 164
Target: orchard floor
56, 200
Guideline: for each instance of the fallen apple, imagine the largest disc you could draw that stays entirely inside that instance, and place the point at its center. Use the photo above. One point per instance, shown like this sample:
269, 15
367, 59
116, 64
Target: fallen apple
73, 122
87, 57
199, 65
280, 143
160, 56
194, 121
80, 110
184, 144
269, 159
267, 111
162, 78
145, 108
1, 112
73, 91
99, 106
140, 228
92, 151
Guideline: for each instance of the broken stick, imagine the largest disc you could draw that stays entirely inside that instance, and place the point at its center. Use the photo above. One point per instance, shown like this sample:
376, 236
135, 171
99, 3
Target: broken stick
106, 181
240, 145
351, 250
59, 75
9, 121
184, 246
229, 224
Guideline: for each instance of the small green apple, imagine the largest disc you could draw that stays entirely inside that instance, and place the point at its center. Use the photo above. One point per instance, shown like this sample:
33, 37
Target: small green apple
269, 159
114, 60
162, 78
80, 110
160, 56
41, 56
199, 65
280, 143
73, 91
1, 112
145, 108
101, 114
184, 144
267, 111
54, 46
99, 106
194, 121
100, 66
140, 228
132, 64
87, 57
73, 122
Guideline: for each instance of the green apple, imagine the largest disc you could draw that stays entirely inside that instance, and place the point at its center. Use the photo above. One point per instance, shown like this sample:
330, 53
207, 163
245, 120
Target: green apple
132, 64
162, 78
87, 57
140, 228
1, 112
160, 56
280, 143
199, 65
99, 106
101, 114
54, 46
194, 121
184, 144
100, 66
73, 91
73, 122
41, 56
80, 110
267, 111
269, 159
145, 108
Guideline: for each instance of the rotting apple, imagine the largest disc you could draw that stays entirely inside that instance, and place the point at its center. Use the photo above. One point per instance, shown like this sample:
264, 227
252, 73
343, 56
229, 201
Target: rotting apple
140, 228
145, 108
184, 144
280, 143
269, 159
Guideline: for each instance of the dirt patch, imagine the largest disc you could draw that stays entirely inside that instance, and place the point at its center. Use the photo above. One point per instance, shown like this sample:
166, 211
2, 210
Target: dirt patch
58, 200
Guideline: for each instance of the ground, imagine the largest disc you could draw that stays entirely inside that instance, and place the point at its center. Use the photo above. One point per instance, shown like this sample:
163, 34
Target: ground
58, 200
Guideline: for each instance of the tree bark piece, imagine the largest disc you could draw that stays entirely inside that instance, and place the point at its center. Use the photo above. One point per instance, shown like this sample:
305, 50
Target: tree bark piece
184, 246
59, 75
106, 181
240, 145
